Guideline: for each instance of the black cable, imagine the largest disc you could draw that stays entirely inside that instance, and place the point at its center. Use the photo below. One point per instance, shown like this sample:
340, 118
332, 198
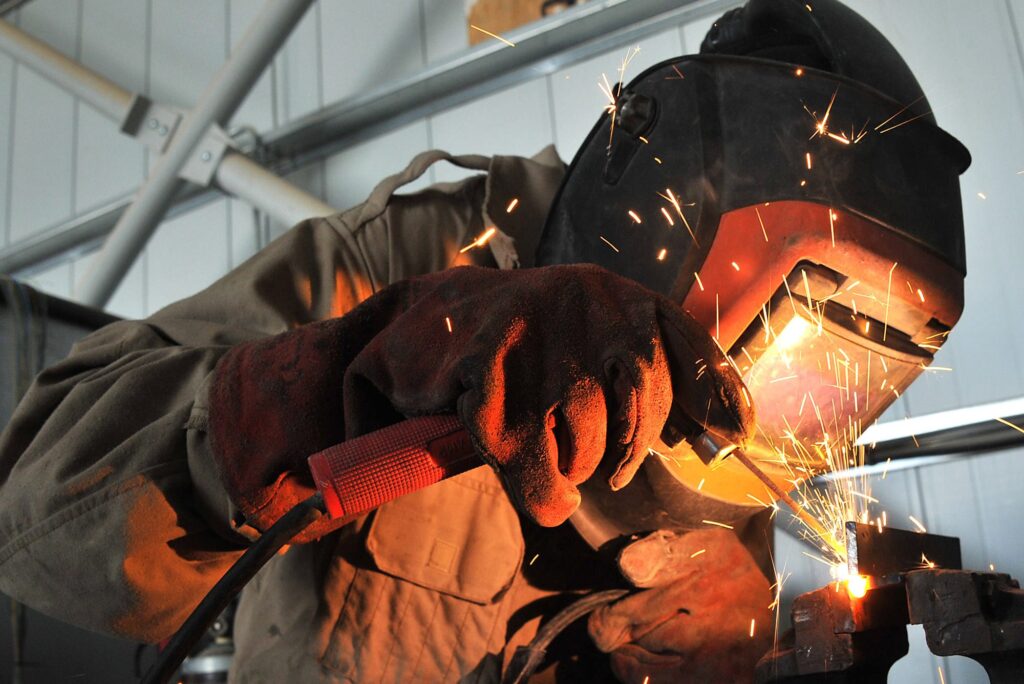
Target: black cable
527, 658
244, 569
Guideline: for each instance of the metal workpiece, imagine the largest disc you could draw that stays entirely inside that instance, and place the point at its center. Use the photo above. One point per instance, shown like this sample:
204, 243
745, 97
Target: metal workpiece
219, 100
891, 551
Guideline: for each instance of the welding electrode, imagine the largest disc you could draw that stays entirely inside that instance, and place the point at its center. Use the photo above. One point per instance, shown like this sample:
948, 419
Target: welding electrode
713, 451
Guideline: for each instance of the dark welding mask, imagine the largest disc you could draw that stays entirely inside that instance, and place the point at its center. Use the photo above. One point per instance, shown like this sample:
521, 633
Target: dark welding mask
790, 188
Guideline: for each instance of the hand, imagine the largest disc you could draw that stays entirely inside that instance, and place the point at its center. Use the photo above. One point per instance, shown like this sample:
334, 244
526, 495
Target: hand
552, 370
695, 624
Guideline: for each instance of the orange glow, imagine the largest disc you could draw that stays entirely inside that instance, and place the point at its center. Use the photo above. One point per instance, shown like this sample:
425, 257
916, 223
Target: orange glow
857, 586
661, 254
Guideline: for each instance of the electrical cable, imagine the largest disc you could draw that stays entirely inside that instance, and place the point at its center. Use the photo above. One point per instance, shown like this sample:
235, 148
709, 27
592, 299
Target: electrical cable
527, 658
244, 569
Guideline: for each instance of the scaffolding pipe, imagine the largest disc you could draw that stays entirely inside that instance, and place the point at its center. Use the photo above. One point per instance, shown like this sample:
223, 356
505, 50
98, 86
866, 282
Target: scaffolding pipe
242, 177
102, 93
218, 102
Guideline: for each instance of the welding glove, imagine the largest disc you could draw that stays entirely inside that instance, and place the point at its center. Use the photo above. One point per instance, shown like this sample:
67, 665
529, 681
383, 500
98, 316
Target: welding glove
550, 369
695, 623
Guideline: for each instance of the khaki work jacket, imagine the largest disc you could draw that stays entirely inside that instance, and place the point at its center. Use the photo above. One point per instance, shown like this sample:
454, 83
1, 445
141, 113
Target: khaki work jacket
113, 517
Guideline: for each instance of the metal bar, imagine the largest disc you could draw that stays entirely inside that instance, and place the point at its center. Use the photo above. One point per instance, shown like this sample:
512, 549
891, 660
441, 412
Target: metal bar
242, 177
541, 48
102, 93
218, 102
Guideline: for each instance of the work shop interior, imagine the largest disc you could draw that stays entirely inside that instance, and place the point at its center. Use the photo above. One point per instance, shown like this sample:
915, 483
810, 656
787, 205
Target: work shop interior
630, 341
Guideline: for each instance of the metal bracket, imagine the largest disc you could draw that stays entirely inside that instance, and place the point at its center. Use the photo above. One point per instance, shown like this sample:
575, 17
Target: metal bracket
151, 123
206, 157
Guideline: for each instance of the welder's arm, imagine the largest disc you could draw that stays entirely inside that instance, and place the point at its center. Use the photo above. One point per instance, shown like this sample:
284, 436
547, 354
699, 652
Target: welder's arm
554, 371
112, 513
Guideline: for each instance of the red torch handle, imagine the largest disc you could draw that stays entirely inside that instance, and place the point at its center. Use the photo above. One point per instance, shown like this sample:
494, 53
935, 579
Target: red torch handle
362, 473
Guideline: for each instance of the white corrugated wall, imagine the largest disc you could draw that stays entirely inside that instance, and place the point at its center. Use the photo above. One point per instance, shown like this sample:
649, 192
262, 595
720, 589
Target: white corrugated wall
59, 158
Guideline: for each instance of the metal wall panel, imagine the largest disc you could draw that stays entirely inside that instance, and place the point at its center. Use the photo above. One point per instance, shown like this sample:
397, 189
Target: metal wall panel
6, 141
188, 43
129, 299
257, 109
366, 44
186, 254
350, 175
445, 28
299, 69
54, 279
109, 164
513, 121
42, 154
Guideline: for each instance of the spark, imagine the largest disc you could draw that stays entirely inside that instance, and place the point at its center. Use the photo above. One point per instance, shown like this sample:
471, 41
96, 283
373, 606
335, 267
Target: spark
719, 524
700, 484
736, 266
925, 563
832, 226
903, 123
670, 196
699, 283
753, 622
800, 72
668, 216
888, 292
839, 137
942, 677
917, 523
534, 559
697, 553
982, 195
605, 240
678, 73
807, 156
759, 220
493, 35
992, 567
633, 215
448, 323
512, 205
480, 241
657, 160
1008, 423
644, 140
900, 111
808, 8
885, 469
662, 253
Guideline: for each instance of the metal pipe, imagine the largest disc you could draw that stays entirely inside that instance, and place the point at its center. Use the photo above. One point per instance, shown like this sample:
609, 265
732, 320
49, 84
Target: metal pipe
242, 177
541, 48
218, 102
102, 93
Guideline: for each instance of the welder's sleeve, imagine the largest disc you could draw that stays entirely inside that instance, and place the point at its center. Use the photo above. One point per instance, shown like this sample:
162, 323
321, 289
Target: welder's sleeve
112, 512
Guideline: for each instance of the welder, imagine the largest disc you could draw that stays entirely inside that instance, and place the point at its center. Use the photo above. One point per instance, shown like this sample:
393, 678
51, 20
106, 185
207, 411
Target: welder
137, 470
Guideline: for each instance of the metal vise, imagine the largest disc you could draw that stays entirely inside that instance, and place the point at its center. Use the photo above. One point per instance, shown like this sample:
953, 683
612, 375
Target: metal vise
839, 639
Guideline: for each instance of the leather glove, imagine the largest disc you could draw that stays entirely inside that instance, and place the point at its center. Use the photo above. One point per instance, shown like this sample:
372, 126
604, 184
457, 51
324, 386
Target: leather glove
694, 625
550, 369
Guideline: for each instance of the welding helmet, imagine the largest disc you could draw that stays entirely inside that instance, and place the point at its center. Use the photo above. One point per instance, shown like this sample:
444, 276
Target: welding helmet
789, 187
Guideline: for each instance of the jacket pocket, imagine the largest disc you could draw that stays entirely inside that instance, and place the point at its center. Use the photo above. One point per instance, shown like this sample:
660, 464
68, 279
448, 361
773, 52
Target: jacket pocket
459, 537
